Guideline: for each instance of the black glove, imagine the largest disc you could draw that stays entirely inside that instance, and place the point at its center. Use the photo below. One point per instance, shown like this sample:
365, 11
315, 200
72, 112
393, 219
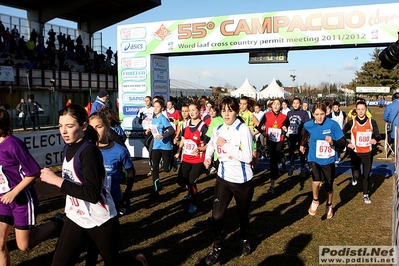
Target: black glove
141, 118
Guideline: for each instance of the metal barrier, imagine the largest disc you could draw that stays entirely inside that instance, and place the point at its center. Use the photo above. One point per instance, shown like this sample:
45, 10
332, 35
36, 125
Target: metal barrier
64, 80
388, 146
80, 87
395, 226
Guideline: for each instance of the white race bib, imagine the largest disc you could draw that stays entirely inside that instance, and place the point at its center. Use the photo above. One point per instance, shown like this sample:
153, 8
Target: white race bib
232, 140
293, 129
363, 139
154, 130
189, 147
274, 134
76, 206
324, 150
147, 122
4, 186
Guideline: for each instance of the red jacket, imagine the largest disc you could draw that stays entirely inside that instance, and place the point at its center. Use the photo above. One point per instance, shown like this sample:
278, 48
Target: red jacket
273, 126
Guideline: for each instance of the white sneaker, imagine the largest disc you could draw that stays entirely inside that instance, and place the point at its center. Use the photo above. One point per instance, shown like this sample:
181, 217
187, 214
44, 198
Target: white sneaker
366, 199
122, 211
313, 207
354, 181
212, 170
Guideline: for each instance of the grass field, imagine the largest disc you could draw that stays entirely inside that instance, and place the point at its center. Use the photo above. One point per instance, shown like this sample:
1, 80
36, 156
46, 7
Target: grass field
281, 231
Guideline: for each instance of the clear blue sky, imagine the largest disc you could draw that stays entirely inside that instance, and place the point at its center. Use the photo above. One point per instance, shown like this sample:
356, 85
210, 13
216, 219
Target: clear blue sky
311, 67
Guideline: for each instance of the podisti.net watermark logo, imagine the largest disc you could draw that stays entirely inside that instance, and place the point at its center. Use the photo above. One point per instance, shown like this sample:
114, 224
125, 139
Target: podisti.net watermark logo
358, 255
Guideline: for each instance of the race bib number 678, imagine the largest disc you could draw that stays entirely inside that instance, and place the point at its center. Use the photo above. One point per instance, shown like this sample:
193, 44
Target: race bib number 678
324, 150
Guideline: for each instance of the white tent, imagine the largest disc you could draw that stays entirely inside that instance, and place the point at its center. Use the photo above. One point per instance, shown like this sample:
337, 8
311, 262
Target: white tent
246, 89
273, 91
180, 87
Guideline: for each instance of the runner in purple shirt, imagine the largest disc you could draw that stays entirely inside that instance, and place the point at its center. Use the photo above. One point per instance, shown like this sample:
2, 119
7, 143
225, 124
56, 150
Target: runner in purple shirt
18, 199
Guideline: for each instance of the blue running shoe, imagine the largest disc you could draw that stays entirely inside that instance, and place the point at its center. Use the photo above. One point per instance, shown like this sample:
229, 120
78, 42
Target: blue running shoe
192, 208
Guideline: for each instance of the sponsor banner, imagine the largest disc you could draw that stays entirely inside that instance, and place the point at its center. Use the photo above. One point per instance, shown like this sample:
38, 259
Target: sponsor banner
136, 63
132, 86
160, 75
377, 103
133, 99
314, 27
372, 89
45, 146
132, 74
160, 88
137, 133
136, 147
160, 63
131, 34
136, 75
131, 110
6, 73
368, 255
133, 46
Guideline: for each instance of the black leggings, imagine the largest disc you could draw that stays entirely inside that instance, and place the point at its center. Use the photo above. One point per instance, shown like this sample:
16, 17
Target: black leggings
276, 155
224, 192
155, 159
35, 121
293, 144
365, 159
73, 240
191, 172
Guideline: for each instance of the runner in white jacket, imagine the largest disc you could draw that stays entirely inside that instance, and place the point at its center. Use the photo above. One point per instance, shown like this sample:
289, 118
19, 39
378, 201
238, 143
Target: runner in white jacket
232, 141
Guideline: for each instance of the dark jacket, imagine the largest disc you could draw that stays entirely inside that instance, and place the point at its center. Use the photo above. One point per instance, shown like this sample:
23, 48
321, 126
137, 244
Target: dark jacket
21, 108
33, 107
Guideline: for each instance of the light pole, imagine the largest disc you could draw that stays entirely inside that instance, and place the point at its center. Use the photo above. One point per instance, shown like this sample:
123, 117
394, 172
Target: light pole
53, 107
355, 62
355, 65
293, 81
329, 84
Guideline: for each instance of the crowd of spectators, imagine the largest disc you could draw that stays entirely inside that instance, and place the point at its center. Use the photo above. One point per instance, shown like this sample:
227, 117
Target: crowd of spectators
53, 52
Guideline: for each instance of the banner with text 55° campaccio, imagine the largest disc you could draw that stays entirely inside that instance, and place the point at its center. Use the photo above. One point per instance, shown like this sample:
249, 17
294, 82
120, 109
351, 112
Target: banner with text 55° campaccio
143, 49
